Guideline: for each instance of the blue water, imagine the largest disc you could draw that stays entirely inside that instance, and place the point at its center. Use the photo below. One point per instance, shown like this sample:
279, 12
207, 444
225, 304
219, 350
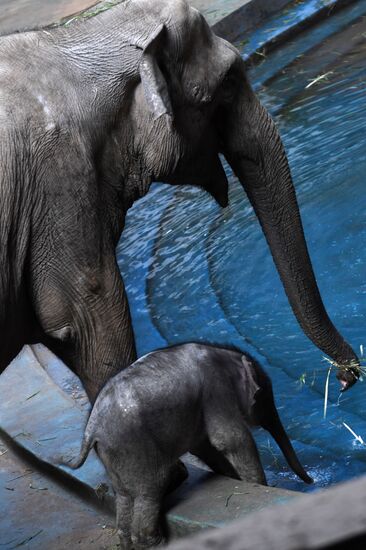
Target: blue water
196, 272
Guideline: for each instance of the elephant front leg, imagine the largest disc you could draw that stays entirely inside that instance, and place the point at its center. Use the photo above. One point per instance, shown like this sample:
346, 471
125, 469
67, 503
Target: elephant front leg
112, 345
232, 452
244, 457
87, 323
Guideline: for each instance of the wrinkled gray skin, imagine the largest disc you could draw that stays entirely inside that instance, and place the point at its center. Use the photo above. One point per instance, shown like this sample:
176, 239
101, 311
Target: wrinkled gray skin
190, 397
90, 115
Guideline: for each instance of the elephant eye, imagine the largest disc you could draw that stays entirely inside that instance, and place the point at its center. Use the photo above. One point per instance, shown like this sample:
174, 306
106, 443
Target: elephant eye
228, 88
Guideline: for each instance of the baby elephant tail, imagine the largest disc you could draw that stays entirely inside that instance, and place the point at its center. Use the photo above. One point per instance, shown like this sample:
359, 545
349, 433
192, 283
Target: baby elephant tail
277, 431
86, 446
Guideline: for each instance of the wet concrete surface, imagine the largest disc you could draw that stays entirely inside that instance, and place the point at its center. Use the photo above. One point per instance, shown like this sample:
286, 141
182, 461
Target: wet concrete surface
39, 512
28, 14
214, 10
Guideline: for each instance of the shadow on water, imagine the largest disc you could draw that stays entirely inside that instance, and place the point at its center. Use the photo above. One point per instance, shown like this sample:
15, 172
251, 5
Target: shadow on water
211, 277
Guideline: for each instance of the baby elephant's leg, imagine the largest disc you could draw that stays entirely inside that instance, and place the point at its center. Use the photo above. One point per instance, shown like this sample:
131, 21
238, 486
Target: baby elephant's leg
235, 453
213, 458
244, 457
146, 530
178, 474
124, 505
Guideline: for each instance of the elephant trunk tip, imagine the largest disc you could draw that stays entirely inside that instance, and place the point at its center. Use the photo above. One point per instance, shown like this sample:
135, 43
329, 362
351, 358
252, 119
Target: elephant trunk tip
306, 478
223, 201
348, 371
348, 376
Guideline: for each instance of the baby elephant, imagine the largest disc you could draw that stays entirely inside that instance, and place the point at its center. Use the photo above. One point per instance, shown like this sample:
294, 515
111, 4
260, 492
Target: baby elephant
190, 397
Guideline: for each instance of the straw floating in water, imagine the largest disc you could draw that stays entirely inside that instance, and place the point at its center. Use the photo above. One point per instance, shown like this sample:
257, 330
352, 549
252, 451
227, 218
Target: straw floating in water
318, 79
353, 365
326, 392
357, 437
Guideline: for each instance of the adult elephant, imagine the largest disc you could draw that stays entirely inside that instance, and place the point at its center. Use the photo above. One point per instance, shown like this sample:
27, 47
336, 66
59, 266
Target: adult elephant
90, 115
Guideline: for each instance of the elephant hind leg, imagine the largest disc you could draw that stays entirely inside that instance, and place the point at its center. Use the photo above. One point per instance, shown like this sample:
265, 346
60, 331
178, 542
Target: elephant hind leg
124, 506
148, 527
146, 530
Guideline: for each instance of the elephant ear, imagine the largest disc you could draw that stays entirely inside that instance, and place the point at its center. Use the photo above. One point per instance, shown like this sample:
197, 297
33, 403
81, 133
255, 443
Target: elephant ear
152, 79
250, 386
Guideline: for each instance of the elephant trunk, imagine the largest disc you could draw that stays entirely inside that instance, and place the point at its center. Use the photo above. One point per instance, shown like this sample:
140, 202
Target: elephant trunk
277, 431
254, 150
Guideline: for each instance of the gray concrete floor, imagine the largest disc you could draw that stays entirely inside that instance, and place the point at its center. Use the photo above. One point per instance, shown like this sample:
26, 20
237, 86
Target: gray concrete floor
214, 10
27, 14
21, 14
38, 512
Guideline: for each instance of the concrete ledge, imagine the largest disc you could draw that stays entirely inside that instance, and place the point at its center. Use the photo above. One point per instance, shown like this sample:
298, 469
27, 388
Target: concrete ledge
258, 13
334, 518
41, 418
207, 500
30, 14
247, 17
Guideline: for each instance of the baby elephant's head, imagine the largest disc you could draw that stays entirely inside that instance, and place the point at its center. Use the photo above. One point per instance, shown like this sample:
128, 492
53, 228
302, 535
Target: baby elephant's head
261, 411
258, 395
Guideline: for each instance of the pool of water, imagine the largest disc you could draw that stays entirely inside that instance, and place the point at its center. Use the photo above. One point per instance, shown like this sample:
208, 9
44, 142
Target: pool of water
196, 272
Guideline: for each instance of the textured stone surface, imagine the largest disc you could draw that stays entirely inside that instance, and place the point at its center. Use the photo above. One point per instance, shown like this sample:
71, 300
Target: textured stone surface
42, 418
28, 14
39, 513
215, 10
207, 500
334, 518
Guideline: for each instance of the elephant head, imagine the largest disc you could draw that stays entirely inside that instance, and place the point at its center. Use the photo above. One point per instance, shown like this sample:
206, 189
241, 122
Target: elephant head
143, 92
193, 103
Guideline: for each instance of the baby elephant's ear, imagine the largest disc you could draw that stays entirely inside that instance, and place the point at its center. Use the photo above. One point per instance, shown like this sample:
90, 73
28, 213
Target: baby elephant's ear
152, 79
250, 385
